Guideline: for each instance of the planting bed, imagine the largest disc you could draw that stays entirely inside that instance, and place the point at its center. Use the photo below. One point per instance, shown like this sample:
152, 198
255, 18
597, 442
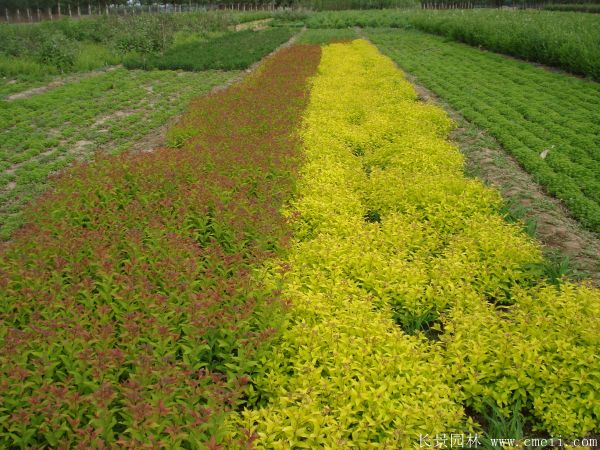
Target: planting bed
414, 304
232, 51
131, 315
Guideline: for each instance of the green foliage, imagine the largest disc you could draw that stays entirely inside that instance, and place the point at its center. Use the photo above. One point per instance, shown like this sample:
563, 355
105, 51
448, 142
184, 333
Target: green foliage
498, 426
583, 8
56, 50
11, 67
547, 121
325, 36
229, 52
569, 41
94, 56
333, 5
77, 45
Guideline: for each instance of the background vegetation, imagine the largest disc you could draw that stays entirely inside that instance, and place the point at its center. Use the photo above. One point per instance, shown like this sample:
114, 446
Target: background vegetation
570, 41
31, 51
586, 8
231, 51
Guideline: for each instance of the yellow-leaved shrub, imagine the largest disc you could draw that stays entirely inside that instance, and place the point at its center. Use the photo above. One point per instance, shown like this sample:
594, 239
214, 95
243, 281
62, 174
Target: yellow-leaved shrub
411, 297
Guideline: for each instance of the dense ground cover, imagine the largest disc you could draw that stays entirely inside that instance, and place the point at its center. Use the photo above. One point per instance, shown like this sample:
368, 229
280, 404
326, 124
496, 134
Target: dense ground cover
415, 308
327, 35
131, 315
583, 7
548, 121
229, 52
570, 41
46, 133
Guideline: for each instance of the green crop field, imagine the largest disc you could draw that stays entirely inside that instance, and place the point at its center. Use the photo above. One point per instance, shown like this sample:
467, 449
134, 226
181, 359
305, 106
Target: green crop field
287, 228
232, 51
570, 41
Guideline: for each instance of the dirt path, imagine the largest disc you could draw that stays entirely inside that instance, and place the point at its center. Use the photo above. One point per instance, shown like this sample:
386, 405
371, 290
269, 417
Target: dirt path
57, 83
555, 228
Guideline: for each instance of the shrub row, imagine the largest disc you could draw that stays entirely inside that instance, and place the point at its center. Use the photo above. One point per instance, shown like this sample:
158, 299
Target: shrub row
547, 121
229, 52
583, 8
568, 41
413, 303
131, 313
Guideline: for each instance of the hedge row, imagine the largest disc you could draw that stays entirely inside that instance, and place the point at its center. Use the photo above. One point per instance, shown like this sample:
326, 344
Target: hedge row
415, 306
568, 41
131, 313
229, 52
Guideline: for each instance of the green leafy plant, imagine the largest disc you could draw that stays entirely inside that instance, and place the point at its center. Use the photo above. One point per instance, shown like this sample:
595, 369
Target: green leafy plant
231, 51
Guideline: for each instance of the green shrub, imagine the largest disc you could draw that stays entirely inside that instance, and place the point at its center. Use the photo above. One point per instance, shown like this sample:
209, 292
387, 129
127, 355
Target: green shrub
231, 51
24, 68
93, 56
568, 41
56, 50
584, 8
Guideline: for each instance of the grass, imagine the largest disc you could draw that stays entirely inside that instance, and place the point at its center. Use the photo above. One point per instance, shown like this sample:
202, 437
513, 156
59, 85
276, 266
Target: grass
528, 109
232, 51
92, 56
570, 41
44, 134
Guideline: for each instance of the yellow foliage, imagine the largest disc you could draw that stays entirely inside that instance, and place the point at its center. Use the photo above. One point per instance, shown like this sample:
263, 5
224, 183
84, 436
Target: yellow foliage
392, 239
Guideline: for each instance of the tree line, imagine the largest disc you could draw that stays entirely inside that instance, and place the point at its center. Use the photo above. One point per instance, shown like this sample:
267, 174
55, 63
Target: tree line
63, 5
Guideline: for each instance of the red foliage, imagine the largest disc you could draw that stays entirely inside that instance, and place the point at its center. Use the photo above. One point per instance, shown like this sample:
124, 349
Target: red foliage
130, 316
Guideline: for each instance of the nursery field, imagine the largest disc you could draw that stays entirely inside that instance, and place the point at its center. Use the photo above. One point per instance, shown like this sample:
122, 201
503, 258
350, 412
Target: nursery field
570, 41
549, 122
298, 260
41, 133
